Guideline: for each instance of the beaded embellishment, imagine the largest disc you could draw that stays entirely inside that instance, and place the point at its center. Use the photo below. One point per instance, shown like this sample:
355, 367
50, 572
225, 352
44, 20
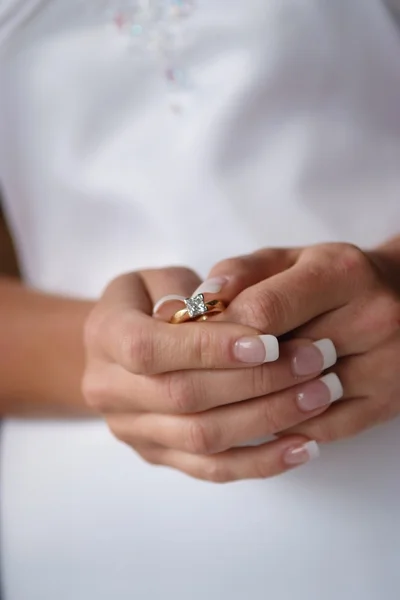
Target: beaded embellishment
158, 26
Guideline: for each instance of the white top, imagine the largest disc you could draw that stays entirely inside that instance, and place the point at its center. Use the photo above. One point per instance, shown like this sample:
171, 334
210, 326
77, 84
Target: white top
284, 129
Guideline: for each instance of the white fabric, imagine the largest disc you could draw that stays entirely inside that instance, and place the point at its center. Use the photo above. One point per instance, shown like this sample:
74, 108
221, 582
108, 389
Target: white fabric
291, 133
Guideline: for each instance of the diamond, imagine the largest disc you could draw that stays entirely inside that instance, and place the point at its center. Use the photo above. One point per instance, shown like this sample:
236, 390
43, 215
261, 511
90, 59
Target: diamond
196, 306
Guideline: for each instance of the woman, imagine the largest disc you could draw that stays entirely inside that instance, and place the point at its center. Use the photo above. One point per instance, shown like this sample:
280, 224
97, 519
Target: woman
179, 133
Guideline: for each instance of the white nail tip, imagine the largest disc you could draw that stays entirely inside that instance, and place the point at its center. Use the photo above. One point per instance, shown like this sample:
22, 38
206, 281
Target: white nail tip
328, 351
334, 386
166, 299
211, 286
312, 449
271, 345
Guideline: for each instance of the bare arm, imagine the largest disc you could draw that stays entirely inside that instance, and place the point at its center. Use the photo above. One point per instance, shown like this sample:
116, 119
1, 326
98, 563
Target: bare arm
41, 352
41, 349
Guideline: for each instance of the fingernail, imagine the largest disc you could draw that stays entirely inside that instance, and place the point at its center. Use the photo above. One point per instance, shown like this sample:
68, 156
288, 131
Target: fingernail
166, 299
258, 349
301, 454
320, 393
314, 358
211, 286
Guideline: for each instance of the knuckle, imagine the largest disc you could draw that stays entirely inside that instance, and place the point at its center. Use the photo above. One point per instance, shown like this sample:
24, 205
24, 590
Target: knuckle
118, 431
180, 393
118, 282
230, 265
348, 262
384, 316
204, 346
92, 329
179, 270
137, 351
353, 255
391, 310
351, 262
268, 415
266, 308
216, 471
263, 380
151, 455
381, 406
199, 437
387, 407
315, 262
315, 257
180, 273
324, 433
95, 391
262, 470
89, 390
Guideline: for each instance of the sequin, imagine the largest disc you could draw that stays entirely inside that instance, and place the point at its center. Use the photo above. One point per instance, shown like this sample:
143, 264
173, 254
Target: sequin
119, 20
157, 25
137, 29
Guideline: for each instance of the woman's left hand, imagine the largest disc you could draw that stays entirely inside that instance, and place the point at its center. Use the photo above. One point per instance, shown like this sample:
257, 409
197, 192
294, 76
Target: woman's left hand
332, 291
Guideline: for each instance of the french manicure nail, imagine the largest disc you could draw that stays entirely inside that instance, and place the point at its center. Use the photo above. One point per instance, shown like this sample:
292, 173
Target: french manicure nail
258, 349
299, 455
166, 299
211, 286
314, 358
320, 393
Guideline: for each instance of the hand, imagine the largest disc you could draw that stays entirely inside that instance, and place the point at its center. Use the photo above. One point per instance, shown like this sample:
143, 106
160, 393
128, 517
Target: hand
174, 392
333, 291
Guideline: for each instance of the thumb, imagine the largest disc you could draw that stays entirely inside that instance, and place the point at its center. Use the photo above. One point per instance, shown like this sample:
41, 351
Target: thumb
230, 277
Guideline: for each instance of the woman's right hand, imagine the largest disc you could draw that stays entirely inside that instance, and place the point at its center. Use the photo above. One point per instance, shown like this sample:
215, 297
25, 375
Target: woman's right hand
175, 393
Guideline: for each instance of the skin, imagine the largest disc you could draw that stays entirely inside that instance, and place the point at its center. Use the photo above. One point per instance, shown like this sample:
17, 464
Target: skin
177, 395
336, 291
194, 416
41, 352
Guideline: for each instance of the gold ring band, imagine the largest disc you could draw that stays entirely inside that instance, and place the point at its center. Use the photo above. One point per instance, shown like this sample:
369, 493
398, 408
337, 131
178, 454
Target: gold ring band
209, 308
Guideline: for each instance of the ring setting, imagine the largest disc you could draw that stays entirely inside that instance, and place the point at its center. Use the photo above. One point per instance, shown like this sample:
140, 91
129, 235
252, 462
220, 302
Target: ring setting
197, 309
196, 306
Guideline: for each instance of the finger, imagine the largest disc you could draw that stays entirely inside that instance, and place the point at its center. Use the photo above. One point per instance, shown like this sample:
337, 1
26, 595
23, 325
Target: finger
226, 427
146, 346
128, 291
125, 295
143, 345
343, 421
312, 287
185, 392
245, 463
374, 373
230, 277
373, 381
357, 327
